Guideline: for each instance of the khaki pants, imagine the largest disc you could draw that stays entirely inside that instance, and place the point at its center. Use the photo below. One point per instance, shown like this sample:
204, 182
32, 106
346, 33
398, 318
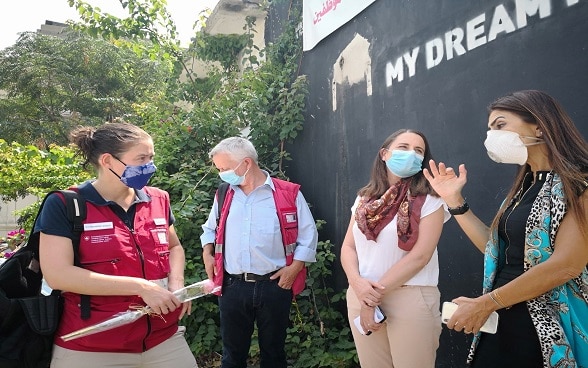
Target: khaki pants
410, 337
172, 353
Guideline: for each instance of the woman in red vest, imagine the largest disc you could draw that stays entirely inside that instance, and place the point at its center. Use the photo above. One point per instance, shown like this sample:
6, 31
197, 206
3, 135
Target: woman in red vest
129, 257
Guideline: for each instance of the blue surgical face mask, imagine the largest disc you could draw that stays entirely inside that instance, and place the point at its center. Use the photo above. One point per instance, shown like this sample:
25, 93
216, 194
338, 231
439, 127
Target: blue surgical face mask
404, 163
231, 177
136, 177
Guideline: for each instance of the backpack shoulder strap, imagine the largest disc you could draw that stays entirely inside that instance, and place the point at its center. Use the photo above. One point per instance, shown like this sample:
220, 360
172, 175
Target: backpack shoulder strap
76, 213
75, 206
221, 194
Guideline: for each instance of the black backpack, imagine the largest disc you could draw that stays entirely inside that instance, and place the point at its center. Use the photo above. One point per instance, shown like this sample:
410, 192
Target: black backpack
28, 319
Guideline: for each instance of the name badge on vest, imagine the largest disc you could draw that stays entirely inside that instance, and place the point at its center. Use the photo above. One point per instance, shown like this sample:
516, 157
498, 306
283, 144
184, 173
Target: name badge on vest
98, 226
159, 221
290, 219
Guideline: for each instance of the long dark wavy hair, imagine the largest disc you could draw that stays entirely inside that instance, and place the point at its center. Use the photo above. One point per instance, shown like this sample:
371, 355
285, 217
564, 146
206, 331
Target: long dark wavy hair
567, 149
378, 183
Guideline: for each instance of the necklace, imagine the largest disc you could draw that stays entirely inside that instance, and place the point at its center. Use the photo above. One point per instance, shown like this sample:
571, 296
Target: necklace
519, 197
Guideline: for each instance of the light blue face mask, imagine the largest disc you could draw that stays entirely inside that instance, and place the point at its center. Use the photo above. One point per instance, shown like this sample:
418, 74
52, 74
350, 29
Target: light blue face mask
230, 177
404, 163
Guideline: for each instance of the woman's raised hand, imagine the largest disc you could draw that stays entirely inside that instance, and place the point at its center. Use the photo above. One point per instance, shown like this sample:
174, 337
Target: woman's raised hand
446, 182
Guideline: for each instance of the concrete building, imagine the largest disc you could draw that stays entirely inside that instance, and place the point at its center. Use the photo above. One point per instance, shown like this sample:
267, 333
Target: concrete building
229, 17
51, 28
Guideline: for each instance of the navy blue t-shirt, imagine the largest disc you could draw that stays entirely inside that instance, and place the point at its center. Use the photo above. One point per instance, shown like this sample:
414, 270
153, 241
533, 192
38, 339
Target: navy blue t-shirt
53, 218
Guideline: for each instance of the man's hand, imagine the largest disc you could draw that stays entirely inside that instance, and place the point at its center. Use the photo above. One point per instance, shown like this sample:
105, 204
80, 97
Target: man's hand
208, 258
288, 274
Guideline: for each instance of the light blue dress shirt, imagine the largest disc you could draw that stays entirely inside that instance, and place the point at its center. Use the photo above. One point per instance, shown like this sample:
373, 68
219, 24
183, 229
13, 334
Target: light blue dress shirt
253, 241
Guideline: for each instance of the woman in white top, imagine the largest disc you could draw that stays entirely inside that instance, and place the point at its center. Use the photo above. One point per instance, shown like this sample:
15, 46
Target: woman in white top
390, 258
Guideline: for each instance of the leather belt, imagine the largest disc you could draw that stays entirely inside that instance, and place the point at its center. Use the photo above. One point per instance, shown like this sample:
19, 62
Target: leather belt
252, 277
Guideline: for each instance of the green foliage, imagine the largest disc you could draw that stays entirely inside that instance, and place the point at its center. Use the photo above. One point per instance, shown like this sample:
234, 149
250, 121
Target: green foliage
221, 47
148, 30
268, 102
250, 59
263, 100
54, 84
320, 336
27, 170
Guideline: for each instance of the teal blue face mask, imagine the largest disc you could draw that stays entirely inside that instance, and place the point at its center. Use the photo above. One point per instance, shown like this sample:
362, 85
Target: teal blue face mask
404, 163
230, 177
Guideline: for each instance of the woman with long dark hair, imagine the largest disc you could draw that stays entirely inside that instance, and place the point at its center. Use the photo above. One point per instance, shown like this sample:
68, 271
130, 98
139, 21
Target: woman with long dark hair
536, 248
390, 258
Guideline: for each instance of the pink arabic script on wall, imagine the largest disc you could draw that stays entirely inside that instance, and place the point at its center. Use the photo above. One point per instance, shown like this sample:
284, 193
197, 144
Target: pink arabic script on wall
329, 5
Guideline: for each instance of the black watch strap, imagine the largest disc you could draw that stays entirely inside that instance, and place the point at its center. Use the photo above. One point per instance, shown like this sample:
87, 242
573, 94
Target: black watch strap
460, 210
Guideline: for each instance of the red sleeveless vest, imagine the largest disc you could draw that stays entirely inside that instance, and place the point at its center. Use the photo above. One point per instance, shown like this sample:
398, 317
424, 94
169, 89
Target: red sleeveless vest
285, 199
107, 246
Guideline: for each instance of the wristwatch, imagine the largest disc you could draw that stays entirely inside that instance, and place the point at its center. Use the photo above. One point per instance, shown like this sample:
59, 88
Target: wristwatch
459, 210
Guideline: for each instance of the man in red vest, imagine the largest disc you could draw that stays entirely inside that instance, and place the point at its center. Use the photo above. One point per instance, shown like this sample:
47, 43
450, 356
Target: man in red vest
256, 249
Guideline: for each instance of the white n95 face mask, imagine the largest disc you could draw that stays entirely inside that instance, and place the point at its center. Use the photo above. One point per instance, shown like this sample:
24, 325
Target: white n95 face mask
506, 147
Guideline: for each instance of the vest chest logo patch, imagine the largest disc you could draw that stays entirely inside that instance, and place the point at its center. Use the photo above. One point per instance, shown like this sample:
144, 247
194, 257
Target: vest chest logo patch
291, 218
162, 237
100, 239
98, 226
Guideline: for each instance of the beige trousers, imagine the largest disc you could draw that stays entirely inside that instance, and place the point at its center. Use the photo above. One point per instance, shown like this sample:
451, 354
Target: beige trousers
410, 337
172, 353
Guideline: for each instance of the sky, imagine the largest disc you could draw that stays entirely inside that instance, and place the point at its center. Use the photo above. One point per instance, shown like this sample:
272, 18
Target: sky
28, 15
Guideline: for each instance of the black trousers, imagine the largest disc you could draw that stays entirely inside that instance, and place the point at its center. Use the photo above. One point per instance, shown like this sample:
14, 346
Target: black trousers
244, 304
515, 344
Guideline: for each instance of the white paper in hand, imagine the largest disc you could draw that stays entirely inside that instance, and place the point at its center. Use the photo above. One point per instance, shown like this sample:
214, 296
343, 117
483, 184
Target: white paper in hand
379, 317
490, 326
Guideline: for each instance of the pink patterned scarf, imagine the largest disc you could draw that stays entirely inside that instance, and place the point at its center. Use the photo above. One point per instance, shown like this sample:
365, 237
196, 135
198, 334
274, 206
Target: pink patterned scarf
372, 215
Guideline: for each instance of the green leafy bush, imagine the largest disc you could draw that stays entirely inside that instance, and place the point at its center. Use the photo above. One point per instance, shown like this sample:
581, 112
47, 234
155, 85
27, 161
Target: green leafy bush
266, 104
28, 170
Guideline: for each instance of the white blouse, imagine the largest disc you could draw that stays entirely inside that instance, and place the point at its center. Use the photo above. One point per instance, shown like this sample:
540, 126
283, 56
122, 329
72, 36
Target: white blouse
377, 257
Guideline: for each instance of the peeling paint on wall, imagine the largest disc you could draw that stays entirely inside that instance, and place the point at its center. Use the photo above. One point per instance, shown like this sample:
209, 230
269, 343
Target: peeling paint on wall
353, 66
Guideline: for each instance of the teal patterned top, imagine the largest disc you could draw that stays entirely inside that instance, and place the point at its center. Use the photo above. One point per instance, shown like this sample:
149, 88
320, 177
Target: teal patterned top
560, 316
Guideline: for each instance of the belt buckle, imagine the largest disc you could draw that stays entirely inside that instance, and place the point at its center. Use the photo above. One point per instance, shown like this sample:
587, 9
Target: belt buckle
246, 277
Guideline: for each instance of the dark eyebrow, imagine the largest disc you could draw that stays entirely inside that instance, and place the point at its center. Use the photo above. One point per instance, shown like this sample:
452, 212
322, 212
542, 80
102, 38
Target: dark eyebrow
494, 121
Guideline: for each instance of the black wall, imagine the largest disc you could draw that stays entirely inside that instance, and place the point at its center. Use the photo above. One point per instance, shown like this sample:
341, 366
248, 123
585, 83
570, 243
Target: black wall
334, 154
